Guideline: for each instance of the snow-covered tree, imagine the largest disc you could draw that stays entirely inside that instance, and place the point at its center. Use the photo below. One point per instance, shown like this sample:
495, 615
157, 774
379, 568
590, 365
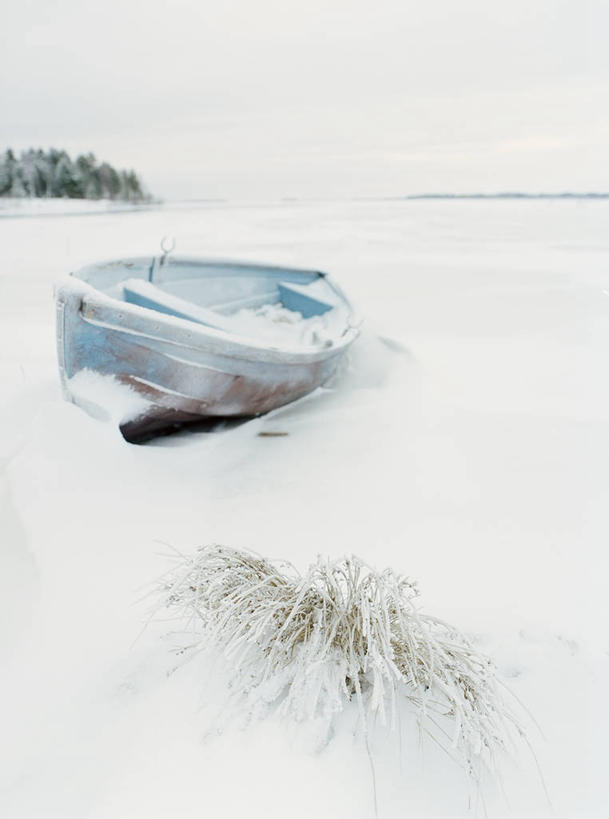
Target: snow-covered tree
110, 181
66, 181
7, 170
35, 172
18, 186
135, 188
53, 173
86, 169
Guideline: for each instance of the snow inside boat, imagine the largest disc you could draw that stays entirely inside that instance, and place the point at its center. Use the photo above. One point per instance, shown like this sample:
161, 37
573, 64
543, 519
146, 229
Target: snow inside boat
188, 339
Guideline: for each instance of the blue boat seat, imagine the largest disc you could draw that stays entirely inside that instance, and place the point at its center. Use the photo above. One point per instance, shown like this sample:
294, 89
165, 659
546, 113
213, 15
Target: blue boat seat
145, 294
295, 297
292, 296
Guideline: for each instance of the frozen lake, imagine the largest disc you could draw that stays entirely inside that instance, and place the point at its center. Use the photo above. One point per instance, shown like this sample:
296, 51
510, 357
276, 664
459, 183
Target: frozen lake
466, 445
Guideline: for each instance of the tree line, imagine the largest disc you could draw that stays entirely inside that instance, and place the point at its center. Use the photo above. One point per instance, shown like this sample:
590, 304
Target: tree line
38, 173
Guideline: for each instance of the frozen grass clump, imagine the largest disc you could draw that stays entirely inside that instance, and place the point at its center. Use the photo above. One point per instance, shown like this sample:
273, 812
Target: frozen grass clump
310, 643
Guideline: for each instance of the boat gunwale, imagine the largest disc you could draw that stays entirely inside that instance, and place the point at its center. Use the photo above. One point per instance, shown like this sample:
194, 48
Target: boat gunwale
104, 310
195, 261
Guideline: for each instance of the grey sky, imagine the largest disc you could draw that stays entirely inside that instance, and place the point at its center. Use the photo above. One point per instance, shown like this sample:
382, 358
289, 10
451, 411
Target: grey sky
268, 98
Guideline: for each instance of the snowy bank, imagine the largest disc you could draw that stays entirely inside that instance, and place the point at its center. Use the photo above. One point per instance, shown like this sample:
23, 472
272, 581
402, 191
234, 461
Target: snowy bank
11, 207
463, 445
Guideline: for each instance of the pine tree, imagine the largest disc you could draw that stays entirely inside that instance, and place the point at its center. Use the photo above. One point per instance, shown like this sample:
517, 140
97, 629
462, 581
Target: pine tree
18, 186
93, 186
110, 181
66, 181
85, 167
135, 188
124, 189
45, 171
33, 167
53, 173
7, 170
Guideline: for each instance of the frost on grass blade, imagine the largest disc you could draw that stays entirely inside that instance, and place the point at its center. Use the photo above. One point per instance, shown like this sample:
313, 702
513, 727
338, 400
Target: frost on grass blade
310, 643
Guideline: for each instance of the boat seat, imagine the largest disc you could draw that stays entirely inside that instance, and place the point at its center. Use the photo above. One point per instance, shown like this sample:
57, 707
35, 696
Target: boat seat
145, 294
247, 302
295, 297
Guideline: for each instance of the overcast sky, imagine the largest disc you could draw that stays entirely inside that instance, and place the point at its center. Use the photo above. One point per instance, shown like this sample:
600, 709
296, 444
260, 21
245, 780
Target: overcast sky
331, 98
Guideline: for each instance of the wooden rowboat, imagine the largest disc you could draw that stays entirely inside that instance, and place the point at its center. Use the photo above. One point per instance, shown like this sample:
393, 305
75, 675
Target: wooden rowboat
199, 339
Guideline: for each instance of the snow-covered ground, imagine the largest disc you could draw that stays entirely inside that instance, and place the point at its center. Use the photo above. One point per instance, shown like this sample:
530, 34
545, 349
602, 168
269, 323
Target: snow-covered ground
55, 206
466, 446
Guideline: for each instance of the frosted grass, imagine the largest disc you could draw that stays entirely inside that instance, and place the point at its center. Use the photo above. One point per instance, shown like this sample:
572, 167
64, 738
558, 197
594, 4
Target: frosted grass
310, 643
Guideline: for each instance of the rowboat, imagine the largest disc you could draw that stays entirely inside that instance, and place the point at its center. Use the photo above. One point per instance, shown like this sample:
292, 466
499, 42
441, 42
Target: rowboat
190, 339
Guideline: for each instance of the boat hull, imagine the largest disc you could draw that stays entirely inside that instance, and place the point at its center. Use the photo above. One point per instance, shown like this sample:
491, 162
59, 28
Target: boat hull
183, 371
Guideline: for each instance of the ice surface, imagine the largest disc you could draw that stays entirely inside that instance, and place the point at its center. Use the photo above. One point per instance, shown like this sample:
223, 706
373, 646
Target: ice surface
63, 207
464, 444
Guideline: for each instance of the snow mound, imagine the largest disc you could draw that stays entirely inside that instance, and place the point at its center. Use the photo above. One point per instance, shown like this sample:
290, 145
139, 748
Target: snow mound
342, 631
62, 206
105, 397
275, 323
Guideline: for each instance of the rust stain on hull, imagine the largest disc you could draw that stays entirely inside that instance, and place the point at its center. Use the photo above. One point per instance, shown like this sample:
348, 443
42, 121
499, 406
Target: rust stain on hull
237, 398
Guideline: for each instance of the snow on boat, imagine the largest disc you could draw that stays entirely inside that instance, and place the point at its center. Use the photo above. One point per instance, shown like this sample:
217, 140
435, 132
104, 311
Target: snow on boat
189, 339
